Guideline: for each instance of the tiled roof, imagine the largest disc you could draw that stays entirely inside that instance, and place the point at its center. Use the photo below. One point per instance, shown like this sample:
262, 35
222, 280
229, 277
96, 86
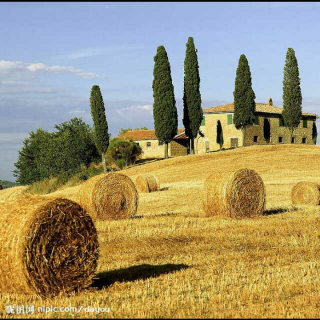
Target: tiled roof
144, 134
260, 107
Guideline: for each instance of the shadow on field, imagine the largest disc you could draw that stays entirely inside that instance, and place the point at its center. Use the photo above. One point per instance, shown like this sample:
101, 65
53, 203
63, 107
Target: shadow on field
164, 189
278, 210
141, 272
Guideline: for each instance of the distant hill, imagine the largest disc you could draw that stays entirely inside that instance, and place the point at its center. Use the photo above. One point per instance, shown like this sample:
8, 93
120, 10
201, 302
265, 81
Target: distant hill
7, 184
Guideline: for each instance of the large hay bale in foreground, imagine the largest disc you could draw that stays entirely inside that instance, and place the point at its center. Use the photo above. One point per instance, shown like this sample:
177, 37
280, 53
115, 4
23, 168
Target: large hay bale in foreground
147, 183
306, 193
47, 246
236, 194
110, 196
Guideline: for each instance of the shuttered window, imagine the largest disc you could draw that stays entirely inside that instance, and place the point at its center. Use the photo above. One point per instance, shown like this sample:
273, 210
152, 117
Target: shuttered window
256, 120
281, 122
229, 119
304, 123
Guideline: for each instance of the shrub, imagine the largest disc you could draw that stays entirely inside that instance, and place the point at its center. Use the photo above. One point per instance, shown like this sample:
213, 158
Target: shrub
123, 149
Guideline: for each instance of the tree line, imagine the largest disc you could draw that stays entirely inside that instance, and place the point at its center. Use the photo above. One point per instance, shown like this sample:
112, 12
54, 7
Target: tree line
164, 107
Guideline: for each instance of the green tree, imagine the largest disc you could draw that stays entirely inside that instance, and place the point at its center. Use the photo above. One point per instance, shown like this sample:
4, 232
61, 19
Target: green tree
101, 136
314, 133
76, 144
244, 104
123, 149
292, 98
164, 106
192, 110
220, 140
32, 164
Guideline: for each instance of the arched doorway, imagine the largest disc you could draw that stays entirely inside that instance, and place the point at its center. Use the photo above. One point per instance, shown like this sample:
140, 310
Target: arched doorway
266, 130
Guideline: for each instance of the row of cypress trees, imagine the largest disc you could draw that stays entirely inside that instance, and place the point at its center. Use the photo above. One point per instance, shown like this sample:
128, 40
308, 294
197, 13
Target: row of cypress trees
164, 107
244, 96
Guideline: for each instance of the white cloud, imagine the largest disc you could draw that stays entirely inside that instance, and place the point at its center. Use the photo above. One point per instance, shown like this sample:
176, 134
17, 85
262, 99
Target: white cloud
76, 112
9, 66
97, 51
147, 107
36, 67
15, 82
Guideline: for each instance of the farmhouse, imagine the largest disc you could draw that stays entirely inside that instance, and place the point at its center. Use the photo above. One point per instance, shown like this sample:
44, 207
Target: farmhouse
268, 128
152, 148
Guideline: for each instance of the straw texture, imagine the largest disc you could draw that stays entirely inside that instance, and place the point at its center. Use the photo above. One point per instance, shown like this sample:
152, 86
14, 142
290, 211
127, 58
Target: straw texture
236, 194
110, 196
48, 246
147, 183
306, 193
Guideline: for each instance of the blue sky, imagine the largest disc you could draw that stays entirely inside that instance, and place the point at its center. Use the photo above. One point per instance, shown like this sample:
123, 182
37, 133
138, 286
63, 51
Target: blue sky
53, 53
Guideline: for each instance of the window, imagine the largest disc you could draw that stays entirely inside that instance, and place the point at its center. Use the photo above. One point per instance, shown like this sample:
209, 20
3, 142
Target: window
293, 139
304, 123
281, 122
280, 140
256, 120
148, 144
229, 119
255, 139
203, 122
304, 140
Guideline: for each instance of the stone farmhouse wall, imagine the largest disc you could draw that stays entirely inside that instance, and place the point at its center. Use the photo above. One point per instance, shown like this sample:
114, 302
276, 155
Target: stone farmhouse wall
277, 131
152, 149
254, 134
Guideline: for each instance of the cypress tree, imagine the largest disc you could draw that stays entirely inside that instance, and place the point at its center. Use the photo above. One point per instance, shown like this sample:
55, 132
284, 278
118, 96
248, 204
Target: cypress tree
219, 134
101, 136
192, 111
292, 98
165, 113
244, 104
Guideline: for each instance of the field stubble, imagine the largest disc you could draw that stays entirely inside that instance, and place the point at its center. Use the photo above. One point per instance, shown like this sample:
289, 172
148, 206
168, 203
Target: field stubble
171, 261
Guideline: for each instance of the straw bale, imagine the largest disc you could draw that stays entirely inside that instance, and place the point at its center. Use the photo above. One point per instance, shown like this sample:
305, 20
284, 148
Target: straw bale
110, 196
147, 183
236, 194
48, 246
306, 193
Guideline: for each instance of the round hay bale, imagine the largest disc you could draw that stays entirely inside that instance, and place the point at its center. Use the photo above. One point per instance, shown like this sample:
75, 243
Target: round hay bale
236, 194
47, 246
109, 197
306, 193
1, 187
148, 183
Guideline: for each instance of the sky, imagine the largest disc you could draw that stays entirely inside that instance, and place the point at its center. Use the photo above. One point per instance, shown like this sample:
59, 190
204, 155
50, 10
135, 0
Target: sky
53, 53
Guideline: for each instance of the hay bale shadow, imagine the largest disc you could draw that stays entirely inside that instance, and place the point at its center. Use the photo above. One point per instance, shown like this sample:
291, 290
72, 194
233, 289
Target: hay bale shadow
164, 189
278, 210
140, 272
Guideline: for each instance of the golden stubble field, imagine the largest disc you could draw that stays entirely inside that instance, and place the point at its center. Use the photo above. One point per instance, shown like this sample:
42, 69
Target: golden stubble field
171, 261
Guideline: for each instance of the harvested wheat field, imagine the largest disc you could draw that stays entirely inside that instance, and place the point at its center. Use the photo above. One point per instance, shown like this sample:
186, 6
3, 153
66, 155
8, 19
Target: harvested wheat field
11, 193
172, 261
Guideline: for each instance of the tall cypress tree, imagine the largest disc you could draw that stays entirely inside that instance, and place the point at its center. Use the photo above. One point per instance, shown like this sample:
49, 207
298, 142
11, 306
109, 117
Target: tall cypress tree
101, 136
192, 111
292, 98
244, 104
165, 113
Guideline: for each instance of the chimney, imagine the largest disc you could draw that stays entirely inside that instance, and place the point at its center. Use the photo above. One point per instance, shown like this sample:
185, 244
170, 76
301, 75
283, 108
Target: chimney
270, 103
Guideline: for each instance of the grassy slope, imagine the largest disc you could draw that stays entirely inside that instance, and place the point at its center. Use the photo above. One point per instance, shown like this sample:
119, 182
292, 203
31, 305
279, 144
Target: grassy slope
171, 261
